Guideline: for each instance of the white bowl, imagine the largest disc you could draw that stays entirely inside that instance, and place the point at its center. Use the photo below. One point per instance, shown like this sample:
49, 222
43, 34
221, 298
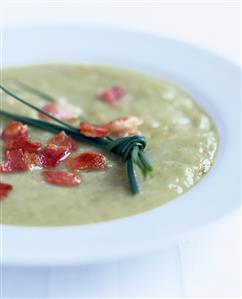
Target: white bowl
214, 81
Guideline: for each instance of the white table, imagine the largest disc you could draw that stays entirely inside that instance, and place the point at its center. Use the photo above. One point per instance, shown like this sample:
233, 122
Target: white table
205, 262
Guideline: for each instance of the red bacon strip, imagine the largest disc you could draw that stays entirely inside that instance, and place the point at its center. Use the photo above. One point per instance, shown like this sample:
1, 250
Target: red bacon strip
113, 95
23, 143
124, 126
62, 178
5, 189
53, 154
87, 161
32, 160
64, 140
94, 131
14, 130
60, 110
14, 162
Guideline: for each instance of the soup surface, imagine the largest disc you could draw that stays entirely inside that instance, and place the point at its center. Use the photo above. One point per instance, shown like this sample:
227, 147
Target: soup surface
182, 145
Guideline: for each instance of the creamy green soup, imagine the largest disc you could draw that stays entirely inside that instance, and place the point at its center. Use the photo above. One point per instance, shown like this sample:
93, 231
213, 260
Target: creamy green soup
182, 145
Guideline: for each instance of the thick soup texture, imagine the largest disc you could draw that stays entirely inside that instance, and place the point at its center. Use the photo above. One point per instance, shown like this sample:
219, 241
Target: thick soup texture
182, 145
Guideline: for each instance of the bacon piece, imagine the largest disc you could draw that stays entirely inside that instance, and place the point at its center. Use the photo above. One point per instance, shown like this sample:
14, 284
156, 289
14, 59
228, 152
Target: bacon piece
64, 140
124, 126
32, 160
5, 189
95, 131
113, 95
23, 143
53, 154
14, 162
87, 161
62, 178
60, 110
15, 129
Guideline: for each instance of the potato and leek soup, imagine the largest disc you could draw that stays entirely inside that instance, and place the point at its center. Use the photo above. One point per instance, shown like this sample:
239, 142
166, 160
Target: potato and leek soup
88, 143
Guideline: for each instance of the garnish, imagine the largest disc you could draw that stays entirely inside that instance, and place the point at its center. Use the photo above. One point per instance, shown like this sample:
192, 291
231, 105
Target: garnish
61, 110
35, 91
124, 126
91, 130
57, 107
121, 127
32, 160
130, 149
87, 161
5, 189
25, 144
13, 130
113, 95
53, 155
14, 162
33, 107
62, 139
62, 178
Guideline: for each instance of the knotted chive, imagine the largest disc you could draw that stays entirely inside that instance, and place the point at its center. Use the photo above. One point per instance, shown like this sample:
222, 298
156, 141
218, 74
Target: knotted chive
130, 149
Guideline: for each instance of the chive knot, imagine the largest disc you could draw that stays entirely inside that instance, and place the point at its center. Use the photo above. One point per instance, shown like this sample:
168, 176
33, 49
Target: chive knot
125, 145
131, 150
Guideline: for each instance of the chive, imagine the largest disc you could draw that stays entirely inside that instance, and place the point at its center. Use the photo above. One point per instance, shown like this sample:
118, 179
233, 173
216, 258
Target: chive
35, 91
34, 107
130, 149
51, 127
132, 177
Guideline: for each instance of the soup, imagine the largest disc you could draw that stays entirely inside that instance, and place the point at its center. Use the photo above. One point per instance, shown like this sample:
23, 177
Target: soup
182, 143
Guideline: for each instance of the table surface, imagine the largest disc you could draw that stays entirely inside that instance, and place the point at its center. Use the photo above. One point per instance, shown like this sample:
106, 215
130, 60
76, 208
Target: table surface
206, 263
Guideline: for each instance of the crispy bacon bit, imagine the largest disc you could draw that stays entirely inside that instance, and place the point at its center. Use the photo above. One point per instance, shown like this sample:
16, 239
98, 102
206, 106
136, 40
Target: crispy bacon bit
60, 110
124, 126
15, 129
87, 161
32, 160
91, 130
113, 94
23, 143
5, 189
62, 178
14, 162
63, 140
53, 154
